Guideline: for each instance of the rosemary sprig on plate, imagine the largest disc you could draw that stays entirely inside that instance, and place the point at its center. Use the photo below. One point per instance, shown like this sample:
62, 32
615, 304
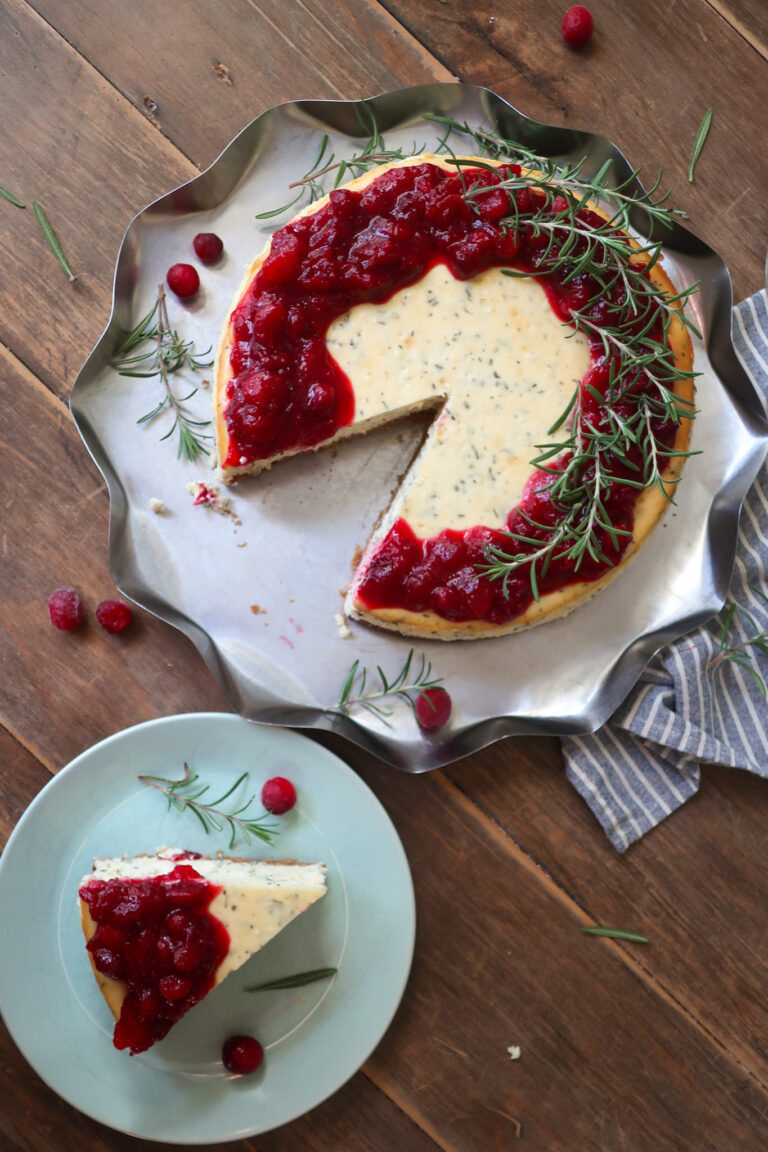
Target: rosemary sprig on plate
51, 238
738, 653
297, 981
615, 934
699, 142
6, 195
409, 679
185, 795
167, 355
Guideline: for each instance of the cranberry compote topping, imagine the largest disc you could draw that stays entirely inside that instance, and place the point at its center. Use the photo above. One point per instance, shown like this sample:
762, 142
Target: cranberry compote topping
157, 936
242, 1055
286, 392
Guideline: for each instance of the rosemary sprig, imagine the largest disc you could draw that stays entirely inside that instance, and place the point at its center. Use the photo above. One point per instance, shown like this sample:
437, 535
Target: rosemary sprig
738, 653
10, 196
615, 934
372, 154
297, 981
699, 142
51, 238
185, 796
622, 446
419, 681
169, 354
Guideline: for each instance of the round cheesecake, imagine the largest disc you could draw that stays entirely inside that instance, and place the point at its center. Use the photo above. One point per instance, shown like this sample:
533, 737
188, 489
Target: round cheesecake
402, 293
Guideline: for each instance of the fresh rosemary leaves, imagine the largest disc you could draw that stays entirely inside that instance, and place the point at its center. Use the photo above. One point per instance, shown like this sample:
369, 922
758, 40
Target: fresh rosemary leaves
167, 355
407, 681
738, 653
6, 195
297, 981
699, 142
185, 795
615, 934
374, 152
51, 238
582, 464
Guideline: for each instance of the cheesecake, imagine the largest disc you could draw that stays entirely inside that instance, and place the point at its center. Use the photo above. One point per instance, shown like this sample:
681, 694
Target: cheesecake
163, 931
399, 293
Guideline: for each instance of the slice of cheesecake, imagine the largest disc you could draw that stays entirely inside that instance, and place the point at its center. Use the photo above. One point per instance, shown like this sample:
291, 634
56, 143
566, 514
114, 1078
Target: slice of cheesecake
162, 931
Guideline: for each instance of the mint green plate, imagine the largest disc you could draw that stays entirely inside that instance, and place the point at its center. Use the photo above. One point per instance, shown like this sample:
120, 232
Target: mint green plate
314, 1037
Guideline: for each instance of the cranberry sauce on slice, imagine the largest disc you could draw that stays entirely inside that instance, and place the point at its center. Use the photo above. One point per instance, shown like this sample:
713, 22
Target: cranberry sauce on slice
157, 936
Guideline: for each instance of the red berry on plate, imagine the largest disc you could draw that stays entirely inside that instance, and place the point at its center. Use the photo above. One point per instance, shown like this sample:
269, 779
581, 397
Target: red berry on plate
65, 609
183, 280
208, 247
278, 795
242, 1054
577, 26
433, 708
114, 615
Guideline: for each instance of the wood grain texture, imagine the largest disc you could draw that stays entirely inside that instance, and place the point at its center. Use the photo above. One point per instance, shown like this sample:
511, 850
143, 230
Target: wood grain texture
57, 692
92, 161
645, 80
228, 62
749, 18
695, 886
606, 1061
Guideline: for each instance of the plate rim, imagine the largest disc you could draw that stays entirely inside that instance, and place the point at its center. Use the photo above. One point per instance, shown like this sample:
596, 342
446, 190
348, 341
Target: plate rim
406, 910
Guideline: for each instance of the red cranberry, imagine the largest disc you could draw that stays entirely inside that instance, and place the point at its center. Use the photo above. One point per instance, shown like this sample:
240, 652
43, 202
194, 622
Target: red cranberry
208, 247
278, 795
242, 1055
433, 708
66, 609
577, 26
183, 280
114, 615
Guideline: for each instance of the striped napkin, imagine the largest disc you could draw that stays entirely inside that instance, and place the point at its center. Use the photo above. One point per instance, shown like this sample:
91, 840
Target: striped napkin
646, 761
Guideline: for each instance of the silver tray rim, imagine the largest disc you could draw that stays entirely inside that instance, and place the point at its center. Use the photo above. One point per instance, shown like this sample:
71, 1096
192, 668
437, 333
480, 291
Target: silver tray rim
209, 188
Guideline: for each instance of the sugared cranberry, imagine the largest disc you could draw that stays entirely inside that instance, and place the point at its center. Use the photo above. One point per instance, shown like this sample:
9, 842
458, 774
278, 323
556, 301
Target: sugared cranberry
278, 795
577, 26
66, 609
208, 247
114, 615
183, 280
242, 1055
433, 708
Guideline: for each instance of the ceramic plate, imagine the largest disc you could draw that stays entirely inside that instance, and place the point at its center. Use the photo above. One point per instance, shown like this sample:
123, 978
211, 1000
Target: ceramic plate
315, 1037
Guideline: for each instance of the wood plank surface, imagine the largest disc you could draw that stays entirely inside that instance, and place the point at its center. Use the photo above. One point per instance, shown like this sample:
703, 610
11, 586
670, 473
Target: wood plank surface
645, 1049
645, 81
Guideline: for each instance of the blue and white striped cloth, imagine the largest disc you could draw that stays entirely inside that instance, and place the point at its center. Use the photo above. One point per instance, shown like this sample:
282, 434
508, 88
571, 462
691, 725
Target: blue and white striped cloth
646, 761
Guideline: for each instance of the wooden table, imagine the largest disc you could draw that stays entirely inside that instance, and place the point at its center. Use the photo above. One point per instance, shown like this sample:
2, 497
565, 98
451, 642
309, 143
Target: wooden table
106, 105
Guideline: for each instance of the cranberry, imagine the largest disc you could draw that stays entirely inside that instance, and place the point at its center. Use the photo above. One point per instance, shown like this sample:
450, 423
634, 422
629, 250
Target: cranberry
114, 616
278, 795
433, 708
577, 26
242, 1055
208, 247
66, 609
183, 280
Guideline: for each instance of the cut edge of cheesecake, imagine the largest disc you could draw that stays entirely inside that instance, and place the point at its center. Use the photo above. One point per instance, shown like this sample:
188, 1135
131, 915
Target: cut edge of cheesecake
649, 506
229, 872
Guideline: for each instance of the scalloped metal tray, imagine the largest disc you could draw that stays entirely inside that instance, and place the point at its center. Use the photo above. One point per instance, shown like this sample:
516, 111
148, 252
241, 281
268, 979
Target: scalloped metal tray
257, 594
